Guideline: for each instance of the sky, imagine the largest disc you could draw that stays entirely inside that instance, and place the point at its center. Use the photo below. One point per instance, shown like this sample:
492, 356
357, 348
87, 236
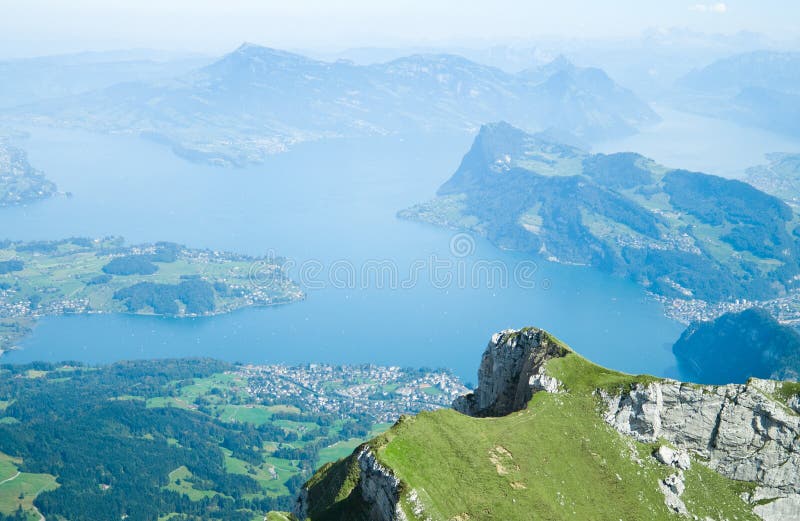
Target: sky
35, 27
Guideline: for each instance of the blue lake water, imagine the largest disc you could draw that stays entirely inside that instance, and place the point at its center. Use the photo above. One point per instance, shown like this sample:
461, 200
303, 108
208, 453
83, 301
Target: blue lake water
332, 204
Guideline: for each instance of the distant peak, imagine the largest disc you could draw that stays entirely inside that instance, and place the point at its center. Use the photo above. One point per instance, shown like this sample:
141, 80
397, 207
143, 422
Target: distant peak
253, 49
558, 65
246, 46
256, 59
560, 62
499, 127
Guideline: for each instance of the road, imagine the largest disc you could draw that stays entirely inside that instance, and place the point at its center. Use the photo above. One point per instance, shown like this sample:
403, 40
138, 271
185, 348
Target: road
12, 478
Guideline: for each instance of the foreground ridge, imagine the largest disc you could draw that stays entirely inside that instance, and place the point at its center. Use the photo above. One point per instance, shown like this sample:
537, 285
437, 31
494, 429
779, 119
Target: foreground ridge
549, 435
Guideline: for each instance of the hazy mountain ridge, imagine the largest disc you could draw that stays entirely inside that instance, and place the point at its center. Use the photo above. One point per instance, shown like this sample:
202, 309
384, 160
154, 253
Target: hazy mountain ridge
760, 89
680, 234
31, 80
256, 101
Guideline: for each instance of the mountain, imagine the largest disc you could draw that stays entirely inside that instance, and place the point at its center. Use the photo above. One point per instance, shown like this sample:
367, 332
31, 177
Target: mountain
257, 101
780, 177
762, 69
680, 234
760, 89
30, 80
549, 435
737, 346
19, 182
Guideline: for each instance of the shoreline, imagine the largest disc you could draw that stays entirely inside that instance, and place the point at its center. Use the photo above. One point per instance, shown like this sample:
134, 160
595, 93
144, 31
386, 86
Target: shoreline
6, 349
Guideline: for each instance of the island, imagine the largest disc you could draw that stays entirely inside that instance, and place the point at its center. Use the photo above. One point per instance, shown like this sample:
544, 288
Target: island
20, 183
79, 275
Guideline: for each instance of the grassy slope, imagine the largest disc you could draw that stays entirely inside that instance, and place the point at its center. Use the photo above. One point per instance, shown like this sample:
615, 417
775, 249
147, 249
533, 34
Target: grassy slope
22, 489
556, 460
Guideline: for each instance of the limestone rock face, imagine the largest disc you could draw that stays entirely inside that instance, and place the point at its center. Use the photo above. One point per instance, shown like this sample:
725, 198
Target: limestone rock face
794, 403
511, 370
380, 489
741, 430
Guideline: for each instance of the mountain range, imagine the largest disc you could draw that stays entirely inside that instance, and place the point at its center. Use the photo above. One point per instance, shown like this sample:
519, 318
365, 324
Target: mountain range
680, 234
30, 80
257, 101
760, 89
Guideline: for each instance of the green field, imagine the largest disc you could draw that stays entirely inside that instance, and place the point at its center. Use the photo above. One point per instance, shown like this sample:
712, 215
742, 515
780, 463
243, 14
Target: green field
20, 488
180, 481
344, 448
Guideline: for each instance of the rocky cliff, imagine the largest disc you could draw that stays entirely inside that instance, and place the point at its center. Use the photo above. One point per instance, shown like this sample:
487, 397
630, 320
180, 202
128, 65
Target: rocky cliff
546, 434
741, 431
511, 370
376, 491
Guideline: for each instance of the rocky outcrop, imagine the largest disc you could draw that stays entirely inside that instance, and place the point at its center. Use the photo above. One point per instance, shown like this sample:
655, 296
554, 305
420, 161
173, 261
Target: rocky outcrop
377, 491
379, 488
676, 458
742, 431
511, 370
794, 403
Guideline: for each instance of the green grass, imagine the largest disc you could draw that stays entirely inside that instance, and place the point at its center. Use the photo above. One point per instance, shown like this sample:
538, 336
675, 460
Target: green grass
555, 460
8, 466
344, 448
788, 390
167, 401
180, 481
432, 391
257, 415
581, 376
21, 489
272, 485
338, 450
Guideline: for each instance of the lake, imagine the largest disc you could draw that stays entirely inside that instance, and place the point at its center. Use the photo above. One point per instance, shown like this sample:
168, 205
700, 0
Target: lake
329, 205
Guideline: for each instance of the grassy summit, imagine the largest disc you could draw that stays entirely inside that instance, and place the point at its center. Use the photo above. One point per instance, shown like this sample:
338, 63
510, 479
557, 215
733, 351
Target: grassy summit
557, 459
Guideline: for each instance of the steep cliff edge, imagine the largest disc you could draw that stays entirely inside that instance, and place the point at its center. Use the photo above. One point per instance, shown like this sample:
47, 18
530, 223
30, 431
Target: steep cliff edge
511, 370
549, 435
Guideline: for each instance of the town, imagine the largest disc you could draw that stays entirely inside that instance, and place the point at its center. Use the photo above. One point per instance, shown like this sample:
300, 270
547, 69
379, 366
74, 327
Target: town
381, 393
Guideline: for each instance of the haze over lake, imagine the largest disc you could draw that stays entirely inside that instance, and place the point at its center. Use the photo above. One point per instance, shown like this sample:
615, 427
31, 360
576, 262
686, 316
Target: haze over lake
331, 202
